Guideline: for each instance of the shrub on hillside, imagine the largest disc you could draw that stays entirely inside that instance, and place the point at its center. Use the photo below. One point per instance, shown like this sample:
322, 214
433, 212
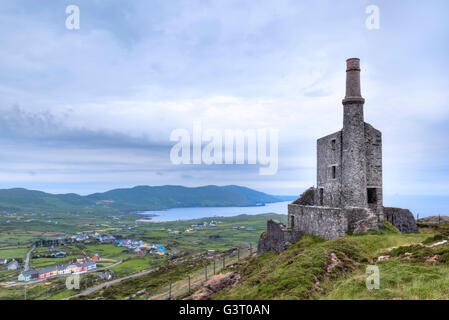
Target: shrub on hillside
435, 238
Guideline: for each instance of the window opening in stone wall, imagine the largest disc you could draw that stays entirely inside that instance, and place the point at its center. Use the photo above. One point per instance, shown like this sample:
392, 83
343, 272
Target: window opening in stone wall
372, 195
333, 172
333, 144
321, 196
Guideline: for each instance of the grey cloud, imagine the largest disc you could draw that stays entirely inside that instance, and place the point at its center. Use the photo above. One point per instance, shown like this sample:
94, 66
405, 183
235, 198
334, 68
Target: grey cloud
44, 129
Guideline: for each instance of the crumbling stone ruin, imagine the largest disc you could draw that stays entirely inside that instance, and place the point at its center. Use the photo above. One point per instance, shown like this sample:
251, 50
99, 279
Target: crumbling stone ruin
277, 238
348, 196
401, 218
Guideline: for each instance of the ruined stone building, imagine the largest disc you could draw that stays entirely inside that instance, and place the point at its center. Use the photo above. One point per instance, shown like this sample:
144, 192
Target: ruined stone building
348, 195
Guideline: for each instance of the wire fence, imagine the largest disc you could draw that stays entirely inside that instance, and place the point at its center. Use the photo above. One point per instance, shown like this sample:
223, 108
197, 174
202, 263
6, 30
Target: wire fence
216, 263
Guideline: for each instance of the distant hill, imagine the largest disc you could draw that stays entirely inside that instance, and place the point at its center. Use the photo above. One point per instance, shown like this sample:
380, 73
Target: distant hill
139, 198
434, 220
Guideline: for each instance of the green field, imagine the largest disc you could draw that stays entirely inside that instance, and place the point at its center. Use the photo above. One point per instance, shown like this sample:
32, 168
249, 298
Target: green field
223, 236
300, 272
17, 252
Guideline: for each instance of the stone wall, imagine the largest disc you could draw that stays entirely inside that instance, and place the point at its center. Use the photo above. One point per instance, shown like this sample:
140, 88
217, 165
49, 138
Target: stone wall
361, 219
328, 155
277, 237
373, 145
326, 222
401, 218
331, 223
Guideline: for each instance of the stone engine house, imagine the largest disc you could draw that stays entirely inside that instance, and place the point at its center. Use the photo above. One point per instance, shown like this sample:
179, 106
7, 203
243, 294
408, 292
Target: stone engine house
348, 196
349, 162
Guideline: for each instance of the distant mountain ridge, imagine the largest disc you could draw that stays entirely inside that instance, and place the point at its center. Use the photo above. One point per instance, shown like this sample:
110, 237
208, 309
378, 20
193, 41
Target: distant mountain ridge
139, 198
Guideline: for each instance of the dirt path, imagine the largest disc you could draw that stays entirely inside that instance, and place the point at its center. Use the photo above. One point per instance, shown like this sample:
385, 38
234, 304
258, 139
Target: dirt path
27, 259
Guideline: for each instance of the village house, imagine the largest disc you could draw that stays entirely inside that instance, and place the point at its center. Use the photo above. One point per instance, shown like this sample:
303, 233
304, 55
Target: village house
104, 275
28, 275
107, 239
80, 260
60, 254
90, 265
47, 272
61, 270
95, 257
13, 265
54, 271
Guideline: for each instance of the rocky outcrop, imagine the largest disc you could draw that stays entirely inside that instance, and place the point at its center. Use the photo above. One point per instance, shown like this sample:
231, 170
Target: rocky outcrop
401, 218
277, 237
434, 220
214, 284
307, 198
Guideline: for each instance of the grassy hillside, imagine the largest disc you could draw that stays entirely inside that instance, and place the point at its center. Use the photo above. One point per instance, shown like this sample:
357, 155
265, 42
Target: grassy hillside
317, 269
134, 199
18, 199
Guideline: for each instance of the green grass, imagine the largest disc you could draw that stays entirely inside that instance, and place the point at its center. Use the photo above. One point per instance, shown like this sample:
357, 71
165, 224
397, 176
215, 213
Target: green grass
221, 237
8, 275
107, 251
63, 294
149, 283
135, 265
300, 271
398, 280
14, 252
41, 263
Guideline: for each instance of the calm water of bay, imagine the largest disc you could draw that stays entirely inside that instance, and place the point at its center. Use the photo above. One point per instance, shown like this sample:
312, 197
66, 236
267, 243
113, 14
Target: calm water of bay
197, 213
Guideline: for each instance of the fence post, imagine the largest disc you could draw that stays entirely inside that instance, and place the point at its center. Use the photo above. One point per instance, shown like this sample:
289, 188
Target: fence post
189, 283
250, 249
439, 219
214, 266
169, 292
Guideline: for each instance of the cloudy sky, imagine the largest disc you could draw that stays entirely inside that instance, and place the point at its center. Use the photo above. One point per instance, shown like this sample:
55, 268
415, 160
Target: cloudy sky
92, 109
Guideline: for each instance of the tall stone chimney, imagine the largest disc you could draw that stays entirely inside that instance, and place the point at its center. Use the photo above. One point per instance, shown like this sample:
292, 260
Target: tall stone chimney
353, 92
353, 139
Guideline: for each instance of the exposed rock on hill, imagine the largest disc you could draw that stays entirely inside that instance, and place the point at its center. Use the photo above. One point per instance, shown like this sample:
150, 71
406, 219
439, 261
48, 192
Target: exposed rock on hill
215, 284
434, 220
